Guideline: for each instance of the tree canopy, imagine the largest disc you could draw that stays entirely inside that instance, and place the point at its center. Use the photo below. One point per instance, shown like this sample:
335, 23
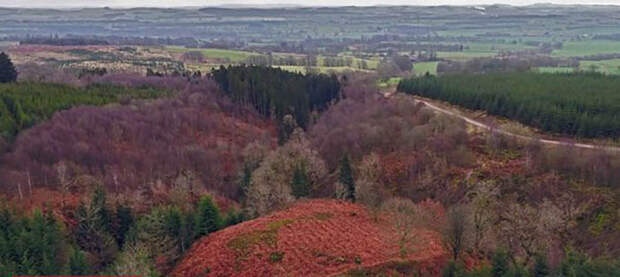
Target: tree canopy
276, 93
580, 104
7, 69
22, 105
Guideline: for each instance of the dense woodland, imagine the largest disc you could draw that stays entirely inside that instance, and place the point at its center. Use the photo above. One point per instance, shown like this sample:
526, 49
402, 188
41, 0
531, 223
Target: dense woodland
275, 93
25, 104
105, 237
580, 104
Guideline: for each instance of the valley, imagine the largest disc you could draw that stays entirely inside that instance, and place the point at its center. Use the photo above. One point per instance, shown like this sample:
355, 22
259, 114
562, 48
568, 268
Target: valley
457, 141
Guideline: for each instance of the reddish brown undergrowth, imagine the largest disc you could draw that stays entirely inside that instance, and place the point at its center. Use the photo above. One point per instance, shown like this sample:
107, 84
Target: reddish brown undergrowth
311, 238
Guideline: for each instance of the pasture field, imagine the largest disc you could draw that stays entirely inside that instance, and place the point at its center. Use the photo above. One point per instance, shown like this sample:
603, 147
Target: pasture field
611, 67
587, 48
551, 69
464, 56
422, 67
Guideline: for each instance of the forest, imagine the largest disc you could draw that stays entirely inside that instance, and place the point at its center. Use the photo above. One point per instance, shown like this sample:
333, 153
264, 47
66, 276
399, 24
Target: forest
104, 237
578, 104
25, 104
275, 93
125, 173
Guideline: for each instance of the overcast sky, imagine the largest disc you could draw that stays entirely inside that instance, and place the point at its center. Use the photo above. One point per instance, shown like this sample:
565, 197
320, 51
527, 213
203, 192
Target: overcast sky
178, 3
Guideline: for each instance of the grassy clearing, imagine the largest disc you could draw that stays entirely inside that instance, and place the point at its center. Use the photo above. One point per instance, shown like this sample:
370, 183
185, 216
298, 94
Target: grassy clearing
423, 67
392, 82
587, 48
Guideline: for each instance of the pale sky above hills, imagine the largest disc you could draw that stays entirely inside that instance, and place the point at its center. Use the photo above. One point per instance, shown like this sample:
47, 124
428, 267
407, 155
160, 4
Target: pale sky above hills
178, 3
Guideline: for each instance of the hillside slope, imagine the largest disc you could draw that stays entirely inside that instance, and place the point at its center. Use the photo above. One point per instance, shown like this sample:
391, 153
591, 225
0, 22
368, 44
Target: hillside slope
312, 238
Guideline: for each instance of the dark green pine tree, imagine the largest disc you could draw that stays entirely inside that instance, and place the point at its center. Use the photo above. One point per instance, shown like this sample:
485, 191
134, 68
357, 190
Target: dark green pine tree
93, 232
8, 73
499, 262
122, 223
346, 178
300, 184
541, 267
77, 264
208, 218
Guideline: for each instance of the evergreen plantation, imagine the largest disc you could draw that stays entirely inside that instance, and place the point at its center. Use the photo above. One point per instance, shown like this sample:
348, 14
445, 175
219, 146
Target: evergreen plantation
22, 105
8, 73
580, 104
276, 93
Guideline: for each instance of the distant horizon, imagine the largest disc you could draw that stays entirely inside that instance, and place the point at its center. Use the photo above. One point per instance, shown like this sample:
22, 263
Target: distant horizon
120, 4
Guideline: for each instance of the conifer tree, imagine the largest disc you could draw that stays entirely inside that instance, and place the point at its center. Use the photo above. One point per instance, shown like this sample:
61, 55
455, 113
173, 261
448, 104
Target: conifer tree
8, 73
77, 263
346, 178
122, 223
300, 184
500, 263
541, 267
208, 218
93, 230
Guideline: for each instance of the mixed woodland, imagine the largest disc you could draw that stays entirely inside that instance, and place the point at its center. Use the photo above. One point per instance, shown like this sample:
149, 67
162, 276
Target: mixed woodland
120, 173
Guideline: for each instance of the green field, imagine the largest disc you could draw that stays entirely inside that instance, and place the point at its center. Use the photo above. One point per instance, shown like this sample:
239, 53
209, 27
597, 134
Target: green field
478, 47
611, 67
464, 56
423, 67
587, 48
389, 82
550, 69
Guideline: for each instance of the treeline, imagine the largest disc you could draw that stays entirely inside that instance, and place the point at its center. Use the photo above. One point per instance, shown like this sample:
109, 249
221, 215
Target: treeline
77, 40
276, 93
308, 60
517, 63
24, 104
74, 41
269, 60
580, 104
103, 236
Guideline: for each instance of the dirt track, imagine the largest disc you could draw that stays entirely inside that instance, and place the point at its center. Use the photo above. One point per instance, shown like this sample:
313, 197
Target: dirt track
510, 134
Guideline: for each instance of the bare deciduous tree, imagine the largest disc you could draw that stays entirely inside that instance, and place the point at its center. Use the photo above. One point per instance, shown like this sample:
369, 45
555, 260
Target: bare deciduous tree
456, 232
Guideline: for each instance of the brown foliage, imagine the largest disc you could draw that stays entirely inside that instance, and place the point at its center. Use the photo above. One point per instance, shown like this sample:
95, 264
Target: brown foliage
136, 146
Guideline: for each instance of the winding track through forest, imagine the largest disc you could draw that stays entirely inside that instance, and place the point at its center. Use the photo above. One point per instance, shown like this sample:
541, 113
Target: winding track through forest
507, 133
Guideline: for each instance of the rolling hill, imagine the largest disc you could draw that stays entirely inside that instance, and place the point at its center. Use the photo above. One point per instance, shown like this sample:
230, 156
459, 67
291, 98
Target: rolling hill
312, 238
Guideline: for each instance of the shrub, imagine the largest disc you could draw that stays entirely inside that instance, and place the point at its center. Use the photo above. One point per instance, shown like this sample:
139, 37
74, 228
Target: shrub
276, 257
